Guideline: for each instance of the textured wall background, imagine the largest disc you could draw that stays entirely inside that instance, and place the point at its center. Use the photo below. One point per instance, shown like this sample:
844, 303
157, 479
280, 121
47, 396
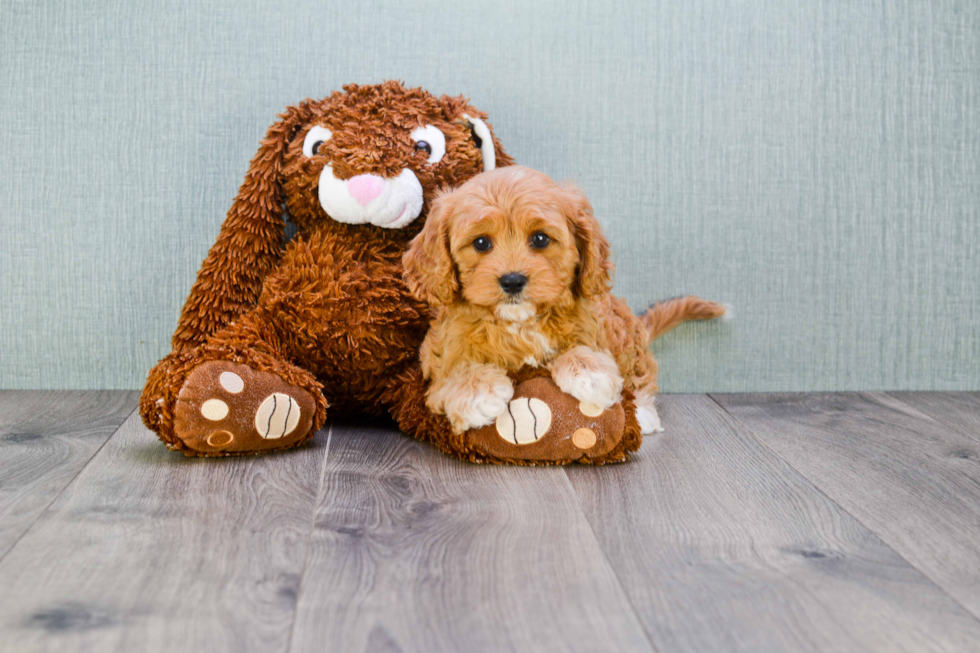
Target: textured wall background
815, 164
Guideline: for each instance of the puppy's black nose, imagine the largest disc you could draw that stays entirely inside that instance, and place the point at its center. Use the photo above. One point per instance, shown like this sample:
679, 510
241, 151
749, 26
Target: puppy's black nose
513, 282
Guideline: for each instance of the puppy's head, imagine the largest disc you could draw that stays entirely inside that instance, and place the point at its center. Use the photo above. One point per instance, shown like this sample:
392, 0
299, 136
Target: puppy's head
511, 240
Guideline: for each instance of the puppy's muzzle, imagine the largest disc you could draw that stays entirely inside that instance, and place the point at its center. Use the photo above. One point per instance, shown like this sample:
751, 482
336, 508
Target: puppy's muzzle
513, 282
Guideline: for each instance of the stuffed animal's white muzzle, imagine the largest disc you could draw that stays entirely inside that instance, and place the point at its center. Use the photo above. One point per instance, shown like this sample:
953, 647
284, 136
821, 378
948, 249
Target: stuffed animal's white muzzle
370, 199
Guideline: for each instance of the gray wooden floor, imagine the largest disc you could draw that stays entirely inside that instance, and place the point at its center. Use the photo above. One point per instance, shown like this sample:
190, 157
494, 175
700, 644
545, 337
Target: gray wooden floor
820, 522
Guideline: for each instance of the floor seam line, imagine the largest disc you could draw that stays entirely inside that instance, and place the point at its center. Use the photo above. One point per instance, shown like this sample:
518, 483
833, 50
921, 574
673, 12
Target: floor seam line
605, 556
74, 478
309, 539
847, 512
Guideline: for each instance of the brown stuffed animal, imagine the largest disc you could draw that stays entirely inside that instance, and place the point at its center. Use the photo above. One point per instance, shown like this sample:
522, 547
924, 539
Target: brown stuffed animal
272, 334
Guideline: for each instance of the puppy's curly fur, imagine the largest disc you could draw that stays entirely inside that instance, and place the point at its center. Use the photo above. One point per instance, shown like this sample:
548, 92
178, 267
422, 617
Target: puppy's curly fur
517, 271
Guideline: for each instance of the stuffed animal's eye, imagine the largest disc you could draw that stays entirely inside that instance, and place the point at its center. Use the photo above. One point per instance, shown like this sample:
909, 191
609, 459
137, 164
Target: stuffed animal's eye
430, 140
315, 138
540, 240
482, 244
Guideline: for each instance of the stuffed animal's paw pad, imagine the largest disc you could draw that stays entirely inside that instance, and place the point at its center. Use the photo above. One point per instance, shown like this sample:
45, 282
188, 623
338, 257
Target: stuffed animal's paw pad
277, 416
590, 409
231, 382
220, 439
214, 410
526, 420
584, 438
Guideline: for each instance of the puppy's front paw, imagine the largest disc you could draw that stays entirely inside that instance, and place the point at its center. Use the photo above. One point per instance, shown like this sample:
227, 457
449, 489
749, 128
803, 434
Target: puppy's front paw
478, 405
472, 399
591, 377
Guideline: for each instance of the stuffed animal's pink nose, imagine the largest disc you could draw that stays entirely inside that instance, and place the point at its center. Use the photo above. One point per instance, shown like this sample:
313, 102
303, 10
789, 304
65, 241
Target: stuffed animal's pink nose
365, 188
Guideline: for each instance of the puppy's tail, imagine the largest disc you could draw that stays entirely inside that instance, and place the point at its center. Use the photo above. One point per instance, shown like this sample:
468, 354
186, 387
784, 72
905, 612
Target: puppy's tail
664, 316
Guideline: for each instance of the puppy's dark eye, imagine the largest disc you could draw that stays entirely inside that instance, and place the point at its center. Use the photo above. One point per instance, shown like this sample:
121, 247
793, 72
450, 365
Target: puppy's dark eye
316, 147
540, 240
482, 244
424, 146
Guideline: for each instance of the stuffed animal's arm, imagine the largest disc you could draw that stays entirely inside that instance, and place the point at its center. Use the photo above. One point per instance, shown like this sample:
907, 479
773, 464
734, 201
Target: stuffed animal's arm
229, 282
249, 245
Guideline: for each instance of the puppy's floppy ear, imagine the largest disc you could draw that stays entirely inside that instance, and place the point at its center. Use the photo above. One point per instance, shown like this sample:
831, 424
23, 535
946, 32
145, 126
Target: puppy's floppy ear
593, 277
249, 245
430, 272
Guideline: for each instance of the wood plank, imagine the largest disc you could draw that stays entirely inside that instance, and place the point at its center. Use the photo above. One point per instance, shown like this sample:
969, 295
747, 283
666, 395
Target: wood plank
151, 551
416, 551
722, 546
910, 479
959, 411
46, 438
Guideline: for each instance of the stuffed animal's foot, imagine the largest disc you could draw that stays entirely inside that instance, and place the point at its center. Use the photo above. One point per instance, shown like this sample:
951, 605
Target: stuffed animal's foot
543, 425
227, 408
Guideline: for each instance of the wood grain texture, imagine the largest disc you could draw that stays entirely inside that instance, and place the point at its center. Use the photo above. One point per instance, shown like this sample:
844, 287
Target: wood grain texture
831, 523
46, 438
151, 551
913, 481
959, 411
415, 551
722, 546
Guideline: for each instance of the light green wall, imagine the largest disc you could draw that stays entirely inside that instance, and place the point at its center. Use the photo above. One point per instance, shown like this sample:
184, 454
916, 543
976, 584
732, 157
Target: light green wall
814, 164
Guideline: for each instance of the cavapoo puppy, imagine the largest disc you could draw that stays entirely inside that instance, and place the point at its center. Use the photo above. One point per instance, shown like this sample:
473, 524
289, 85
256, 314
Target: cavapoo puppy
517, 271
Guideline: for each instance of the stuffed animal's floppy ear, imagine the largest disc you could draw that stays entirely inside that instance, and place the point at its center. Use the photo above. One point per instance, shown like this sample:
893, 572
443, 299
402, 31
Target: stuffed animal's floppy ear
430, 272
594, 274
484, 140
460, 111
249, 245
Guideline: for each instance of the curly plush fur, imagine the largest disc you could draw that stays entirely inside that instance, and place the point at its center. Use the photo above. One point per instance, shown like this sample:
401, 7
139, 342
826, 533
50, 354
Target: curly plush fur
325, 320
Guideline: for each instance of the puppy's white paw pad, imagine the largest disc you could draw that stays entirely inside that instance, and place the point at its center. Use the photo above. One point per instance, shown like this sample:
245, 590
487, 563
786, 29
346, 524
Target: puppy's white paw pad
590, 376
525, 421
596, 388
649, 420
481, 407
487, 408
